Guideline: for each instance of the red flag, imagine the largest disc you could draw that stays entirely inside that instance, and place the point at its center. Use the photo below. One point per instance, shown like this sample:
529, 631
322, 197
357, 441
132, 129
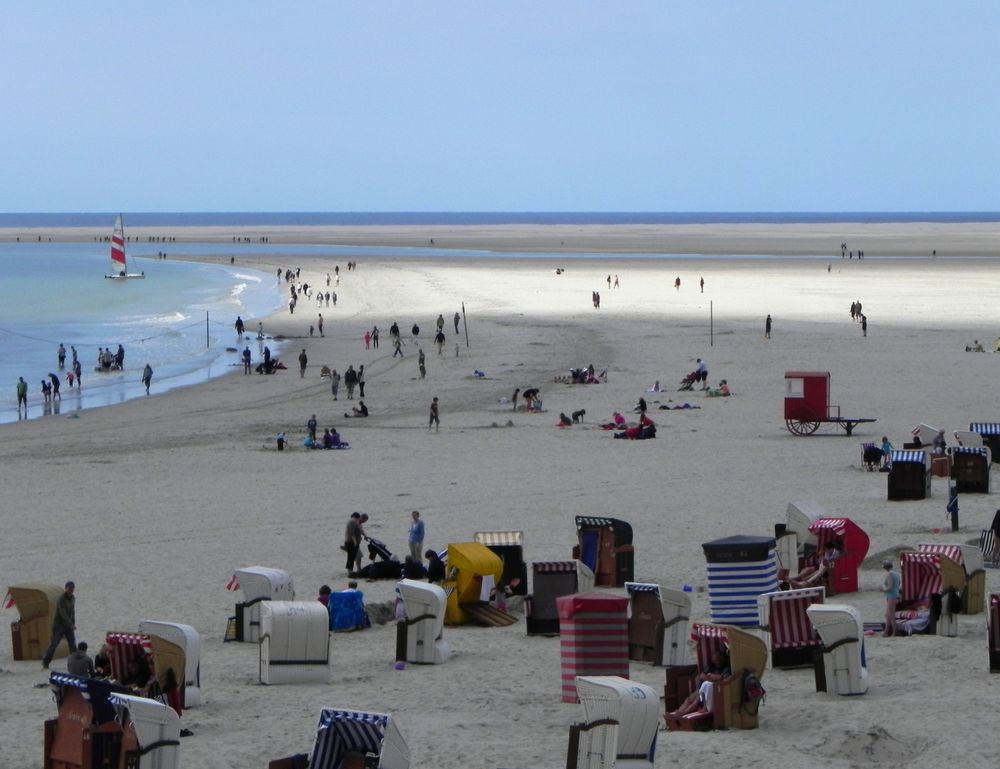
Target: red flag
8, 601
232, 585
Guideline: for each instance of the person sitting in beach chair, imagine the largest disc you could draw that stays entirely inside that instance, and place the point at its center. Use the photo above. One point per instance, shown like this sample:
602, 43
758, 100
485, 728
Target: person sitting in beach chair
812, 575
703, 697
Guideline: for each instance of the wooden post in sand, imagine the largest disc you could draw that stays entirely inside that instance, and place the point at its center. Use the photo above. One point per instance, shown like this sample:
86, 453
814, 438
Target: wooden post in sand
207, 343
711, 324
465, 323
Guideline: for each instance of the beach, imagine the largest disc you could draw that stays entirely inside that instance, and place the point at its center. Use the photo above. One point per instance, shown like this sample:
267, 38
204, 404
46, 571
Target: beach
151, 505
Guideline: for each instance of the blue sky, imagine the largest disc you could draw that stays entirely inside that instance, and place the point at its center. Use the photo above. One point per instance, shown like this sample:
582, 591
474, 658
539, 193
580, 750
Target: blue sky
512, 106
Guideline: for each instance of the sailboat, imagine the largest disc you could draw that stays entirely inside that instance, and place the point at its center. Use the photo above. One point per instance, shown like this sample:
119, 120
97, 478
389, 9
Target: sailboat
119, 270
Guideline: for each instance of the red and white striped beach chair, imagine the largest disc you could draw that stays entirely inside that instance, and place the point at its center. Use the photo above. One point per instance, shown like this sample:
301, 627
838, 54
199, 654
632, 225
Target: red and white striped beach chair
746, 653
928, 578
789, 635
160, 654
970, 558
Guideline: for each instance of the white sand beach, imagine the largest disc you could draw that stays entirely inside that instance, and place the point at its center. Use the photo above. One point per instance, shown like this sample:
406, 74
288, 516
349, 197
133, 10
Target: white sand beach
150, 506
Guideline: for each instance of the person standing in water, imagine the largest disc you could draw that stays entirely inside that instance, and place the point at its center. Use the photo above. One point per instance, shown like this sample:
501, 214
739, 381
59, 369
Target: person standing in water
147, 377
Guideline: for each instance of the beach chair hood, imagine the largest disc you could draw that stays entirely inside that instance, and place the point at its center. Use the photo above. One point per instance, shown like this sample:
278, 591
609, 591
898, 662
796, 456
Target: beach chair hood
342, 731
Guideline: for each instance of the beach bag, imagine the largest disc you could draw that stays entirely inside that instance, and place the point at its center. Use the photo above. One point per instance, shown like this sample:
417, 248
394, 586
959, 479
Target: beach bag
753, 693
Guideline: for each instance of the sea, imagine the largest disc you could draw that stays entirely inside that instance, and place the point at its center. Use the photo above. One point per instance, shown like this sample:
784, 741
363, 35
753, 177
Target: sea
180, 318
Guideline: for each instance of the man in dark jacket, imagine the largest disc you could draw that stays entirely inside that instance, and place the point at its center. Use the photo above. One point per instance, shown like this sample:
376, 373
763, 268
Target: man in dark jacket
63, 624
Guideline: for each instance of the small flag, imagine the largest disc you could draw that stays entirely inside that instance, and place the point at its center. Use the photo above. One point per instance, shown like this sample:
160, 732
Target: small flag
232, 585
8, 601
915, 430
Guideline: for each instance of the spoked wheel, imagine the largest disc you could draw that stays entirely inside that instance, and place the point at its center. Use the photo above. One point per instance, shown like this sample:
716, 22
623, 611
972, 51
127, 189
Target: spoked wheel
801, 426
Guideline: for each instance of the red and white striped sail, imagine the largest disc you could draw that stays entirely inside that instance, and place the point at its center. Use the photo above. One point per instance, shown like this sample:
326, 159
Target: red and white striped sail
118, 247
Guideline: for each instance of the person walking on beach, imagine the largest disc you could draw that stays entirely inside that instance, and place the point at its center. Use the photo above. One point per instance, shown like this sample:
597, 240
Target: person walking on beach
420, 363
891, 584
303, 362
435, 418
78, 370
361, 381
246, 359
63, 623
616, 280
54, 378
416, 537
439, 341
311, 427
440, 322
375, 337
677, 283
702, 285
767, 327
147, 377
864, 325
368, 340
61, 356
319, 324
350, 381
457, 319
239, 327
397, 346
609, 281
334, 383
22, 396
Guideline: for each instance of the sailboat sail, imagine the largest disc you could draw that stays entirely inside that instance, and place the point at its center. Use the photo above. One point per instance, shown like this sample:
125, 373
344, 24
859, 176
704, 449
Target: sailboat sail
118, 265
118, 247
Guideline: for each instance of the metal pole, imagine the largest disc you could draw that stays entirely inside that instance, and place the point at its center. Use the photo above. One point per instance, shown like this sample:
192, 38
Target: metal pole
207, 344
711, 324
465, 324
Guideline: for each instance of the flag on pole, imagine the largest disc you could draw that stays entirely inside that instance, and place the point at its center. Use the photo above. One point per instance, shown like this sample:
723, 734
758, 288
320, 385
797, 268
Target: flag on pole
8, 601
232, 585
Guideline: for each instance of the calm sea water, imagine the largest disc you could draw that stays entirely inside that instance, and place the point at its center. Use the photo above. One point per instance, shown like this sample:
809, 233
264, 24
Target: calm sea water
54, 293
307, 218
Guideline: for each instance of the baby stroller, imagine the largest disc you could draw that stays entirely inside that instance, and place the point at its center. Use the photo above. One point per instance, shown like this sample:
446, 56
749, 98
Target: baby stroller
688, 382
377, 549
871, 455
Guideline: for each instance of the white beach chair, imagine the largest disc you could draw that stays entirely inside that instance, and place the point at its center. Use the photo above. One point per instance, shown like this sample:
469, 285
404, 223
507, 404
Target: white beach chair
418, 636
638, 714
294, 642
844, 666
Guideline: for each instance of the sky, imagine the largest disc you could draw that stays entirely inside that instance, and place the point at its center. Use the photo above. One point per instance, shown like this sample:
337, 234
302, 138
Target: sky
536, 105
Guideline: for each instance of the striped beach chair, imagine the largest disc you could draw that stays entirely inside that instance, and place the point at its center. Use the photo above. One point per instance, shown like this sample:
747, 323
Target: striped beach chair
369, 739
927, 577
549, 581
746, 653
658, 624
970, 469
970, 558
989, 432
785, 628
993, 628
161, 655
